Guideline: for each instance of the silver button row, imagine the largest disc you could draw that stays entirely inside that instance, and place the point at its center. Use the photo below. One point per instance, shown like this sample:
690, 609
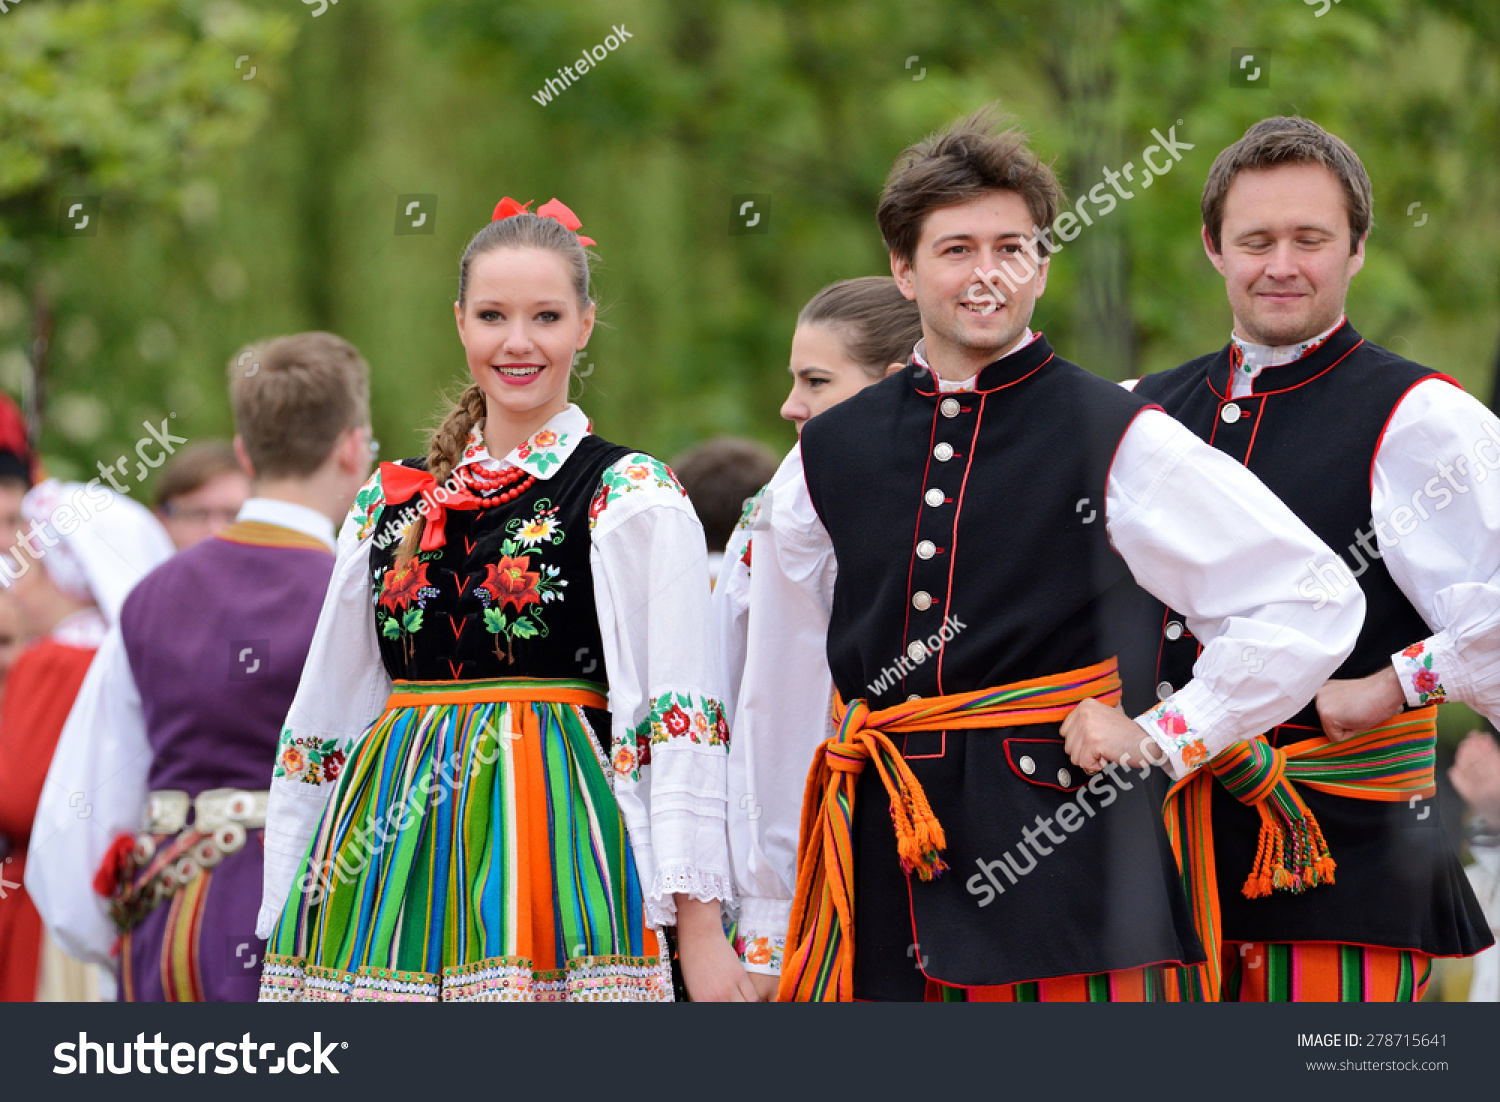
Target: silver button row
948, 407
943, 452
926, 549
916, 652
1231, 412
1173, 630
933, 497
1163, 690
921, 600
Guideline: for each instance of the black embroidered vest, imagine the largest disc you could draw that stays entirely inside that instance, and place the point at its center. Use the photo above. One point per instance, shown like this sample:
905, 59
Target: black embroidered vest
510, 594
969, 531
1310, 431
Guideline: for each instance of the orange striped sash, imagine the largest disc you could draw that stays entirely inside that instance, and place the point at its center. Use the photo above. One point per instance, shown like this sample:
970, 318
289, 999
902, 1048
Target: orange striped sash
1391, 762
820, 939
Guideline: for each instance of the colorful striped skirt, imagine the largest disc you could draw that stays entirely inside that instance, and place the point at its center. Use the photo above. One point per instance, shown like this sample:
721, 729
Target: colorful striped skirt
472, 851
1132, 985
1318, 972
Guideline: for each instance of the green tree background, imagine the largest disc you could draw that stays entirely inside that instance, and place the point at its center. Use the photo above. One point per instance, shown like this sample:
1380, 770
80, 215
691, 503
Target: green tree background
248, 155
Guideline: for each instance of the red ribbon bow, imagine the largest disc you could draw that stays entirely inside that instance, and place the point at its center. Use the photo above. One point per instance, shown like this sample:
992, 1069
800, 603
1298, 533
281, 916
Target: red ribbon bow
402, 483
554, 209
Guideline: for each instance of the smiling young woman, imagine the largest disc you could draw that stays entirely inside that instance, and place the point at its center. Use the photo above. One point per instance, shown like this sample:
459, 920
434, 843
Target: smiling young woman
481, 635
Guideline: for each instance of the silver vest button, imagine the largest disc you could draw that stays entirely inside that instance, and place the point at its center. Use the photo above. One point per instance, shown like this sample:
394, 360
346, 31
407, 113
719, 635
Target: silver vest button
926, 549
933, 497
1231, 413
943, 452
1064, 778
921, 600
1173, 630
1027, 765
948, 407
914, 696
916, 652
1164, 690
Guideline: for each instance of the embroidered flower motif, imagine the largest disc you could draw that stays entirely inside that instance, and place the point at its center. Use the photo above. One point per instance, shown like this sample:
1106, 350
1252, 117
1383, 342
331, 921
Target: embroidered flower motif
403, 584
309, 760
676, 721
624, 760
759, 950
524, 451
1414, 666
1172, 721
673, 716
545, 439
745, 558
534, 531
638, 472
293, 762
1194, 754
512, 582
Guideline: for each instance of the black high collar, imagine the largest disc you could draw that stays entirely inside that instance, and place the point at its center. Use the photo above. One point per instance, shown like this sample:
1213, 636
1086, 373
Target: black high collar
1006, 371
1284, 377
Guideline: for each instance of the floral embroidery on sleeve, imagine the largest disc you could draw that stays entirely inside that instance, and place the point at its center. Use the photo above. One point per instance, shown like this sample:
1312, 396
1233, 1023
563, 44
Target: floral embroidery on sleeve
308, 759
764, 951
635, 472
1175, 734
367, 506
1419, 681
670, 717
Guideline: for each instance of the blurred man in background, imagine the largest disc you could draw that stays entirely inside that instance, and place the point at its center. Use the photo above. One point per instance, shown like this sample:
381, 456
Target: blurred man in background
200, 491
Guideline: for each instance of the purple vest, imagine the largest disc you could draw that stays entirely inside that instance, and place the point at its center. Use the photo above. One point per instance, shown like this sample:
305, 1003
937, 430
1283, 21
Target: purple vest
217, 637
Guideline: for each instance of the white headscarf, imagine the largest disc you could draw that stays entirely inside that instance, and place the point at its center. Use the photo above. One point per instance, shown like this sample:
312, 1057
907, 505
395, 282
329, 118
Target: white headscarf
104, 541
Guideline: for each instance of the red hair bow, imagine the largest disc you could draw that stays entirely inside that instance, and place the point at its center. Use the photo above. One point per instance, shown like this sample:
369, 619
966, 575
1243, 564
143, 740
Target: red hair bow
553, 208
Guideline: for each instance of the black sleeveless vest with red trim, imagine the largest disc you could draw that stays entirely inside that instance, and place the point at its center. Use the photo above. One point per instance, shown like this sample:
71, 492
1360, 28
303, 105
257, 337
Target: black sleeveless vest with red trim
1310, 431
969, 531
509, 594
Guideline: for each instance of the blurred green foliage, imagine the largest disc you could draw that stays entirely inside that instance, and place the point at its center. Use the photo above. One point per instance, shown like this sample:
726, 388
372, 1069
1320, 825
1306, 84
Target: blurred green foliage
235, 206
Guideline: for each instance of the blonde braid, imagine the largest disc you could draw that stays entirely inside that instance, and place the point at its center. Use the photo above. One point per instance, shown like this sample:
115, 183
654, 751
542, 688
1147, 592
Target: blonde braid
443, 454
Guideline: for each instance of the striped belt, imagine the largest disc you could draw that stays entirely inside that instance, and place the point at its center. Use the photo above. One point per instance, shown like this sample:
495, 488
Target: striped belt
1392, 762
820, 938
510, 690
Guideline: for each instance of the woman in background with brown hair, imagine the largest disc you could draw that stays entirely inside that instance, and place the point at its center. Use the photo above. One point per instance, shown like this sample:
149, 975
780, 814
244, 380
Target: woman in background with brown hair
850, 335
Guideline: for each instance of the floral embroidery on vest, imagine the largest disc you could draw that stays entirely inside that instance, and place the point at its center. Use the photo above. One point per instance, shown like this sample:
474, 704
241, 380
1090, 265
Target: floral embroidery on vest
403, 586
512, 584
